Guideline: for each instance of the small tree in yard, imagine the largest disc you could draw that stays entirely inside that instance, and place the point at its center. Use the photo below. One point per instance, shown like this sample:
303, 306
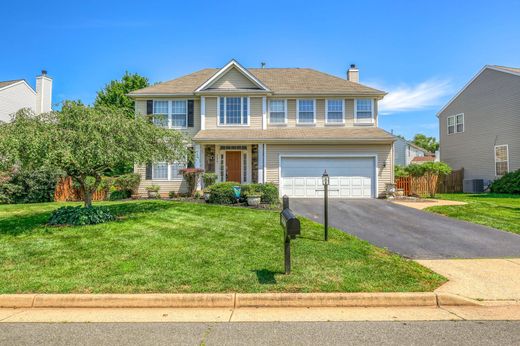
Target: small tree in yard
432, 171
85, 141
192, 176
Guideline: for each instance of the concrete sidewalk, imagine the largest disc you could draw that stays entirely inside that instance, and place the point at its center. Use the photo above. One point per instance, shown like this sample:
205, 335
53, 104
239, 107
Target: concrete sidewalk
504, 312
482, 279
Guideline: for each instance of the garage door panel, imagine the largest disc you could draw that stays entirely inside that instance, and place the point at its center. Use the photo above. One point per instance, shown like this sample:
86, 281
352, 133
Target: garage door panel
349, 177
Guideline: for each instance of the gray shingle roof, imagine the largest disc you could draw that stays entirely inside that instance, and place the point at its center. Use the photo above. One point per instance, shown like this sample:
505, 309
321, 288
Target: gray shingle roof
292, 134
281, 81
9, 82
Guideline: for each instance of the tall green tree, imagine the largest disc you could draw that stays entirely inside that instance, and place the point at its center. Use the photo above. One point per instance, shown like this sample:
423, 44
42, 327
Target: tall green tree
84, 142
428, 143
114, 94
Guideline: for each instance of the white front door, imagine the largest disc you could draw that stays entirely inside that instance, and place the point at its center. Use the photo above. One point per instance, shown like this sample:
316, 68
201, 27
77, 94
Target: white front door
350, 177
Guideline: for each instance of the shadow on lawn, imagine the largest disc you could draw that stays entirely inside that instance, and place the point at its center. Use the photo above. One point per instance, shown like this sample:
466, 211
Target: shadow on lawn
122, 209
16, 225
266, 277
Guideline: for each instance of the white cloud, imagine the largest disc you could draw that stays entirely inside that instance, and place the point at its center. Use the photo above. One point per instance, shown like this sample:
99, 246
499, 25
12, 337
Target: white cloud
406, 98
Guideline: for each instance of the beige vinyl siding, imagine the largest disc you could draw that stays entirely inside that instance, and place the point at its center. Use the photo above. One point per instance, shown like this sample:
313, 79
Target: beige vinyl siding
233, 79
255, 114
140, 109
178, 186
383, 151
320, 112
491, 107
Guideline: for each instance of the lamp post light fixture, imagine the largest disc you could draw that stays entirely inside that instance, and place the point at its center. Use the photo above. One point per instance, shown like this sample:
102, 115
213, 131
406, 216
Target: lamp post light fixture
325, 179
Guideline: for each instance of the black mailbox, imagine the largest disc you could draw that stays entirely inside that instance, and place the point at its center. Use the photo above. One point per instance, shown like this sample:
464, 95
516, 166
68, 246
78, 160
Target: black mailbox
290, 223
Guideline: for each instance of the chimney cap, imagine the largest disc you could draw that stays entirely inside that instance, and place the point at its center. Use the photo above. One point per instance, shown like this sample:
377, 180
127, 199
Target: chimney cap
353, 66
44, 72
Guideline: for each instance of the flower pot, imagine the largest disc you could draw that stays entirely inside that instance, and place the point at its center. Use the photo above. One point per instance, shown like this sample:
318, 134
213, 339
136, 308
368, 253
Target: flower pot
153, 194
253, 201
206, 196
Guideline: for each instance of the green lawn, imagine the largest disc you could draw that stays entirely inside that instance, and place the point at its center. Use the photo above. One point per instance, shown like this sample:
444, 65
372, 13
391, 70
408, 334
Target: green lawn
493, 210
161, 246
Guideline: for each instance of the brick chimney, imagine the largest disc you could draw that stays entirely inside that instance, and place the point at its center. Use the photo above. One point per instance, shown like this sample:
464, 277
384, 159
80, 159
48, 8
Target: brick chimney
43, 93
353, 73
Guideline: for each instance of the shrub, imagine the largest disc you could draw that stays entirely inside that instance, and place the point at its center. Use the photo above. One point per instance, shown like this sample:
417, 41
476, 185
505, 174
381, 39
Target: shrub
8, 193
29, 186
172, 194
80, 216
119, 194
269, 192
222, 193
509, 183
209, 179
400, 171
153, 188
129, 182
192, 176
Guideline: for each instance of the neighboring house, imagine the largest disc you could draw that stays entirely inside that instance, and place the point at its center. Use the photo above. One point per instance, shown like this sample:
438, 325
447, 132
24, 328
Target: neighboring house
405, 152
480, 126
422, 159
279, 125
17, 94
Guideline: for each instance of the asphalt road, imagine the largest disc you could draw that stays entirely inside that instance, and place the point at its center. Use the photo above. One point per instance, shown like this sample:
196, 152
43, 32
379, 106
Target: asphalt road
263, 333
410, 232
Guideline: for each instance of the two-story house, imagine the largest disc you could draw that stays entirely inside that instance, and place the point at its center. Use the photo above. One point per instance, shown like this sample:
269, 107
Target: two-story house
480, 125
279, 125
406, 152
17, 94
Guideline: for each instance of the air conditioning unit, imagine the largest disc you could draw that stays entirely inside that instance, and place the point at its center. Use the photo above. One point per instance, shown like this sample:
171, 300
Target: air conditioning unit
473, 186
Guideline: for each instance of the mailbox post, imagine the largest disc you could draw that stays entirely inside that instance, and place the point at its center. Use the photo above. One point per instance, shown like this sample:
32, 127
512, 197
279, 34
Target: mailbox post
326, 181
291, 227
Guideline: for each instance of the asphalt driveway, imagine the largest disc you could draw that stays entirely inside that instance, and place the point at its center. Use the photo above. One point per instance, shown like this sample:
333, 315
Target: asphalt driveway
409, 232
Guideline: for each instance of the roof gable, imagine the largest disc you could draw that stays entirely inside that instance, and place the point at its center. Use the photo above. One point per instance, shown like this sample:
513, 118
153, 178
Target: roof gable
510, 70
233, 76
12, 83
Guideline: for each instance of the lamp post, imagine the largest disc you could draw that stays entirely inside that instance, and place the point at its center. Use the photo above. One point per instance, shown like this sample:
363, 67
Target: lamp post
325, 181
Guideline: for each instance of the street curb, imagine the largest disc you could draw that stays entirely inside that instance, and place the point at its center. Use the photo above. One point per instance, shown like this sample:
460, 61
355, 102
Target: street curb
231, 300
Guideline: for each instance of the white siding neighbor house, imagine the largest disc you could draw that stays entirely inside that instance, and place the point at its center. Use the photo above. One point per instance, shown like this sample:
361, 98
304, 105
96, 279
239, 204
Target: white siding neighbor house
17, 94
405, 152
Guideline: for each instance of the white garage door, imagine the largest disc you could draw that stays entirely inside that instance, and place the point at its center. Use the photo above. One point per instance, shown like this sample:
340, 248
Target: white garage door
350, 177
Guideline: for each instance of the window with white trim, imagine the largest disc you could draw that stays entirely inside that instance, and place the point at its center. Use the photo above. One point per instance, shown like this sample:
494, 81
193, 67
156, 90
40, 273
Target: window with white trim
165, 171
179, 116
160, 171
456, 123
171, 114
501, 160
306, 111
233, 111
335, 111
160, 113
364, 111
277, 111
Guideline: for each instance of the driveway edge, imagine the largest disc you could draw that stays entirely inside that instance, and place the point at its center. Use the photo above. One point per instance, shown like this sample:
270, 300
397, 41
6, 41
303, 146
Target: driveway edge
232, 300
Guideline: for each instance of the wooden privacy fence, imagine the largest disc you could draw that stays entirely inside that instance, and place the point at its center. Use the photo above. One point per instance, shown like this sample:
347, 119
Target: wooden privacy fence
65, 191
446, 184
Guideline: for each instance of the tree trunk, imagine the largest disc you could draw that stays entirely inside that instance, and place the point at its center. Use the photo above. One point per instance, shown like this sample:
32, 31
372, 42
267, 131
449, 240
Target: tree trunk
88, 198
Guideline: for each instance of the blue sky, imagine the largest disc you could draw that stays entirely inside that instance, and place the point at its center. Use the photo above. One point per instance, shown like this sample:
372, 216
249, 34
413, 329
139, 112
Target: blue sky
421, 53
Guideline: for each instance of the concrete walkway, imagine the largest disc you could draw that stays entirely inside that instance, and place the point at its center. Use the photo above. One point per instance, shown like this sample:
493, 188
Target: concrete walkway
510, 311
482, 279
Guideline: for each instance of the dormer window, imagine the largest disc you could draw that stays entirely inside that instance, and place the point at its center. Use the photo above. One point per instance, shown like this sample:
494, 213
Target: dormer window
233, 111
364, 111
